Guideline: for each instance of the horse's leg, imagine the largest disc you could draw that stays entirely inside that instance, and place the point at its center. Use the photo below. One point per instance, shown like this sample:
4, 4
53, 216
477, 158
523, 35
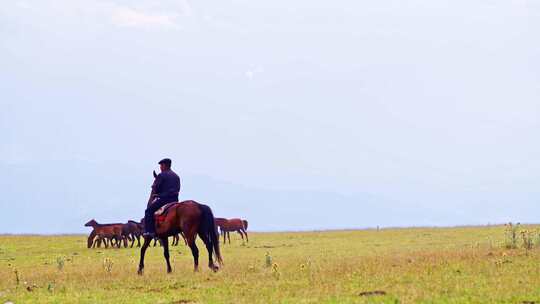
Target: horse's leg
138, 240
145, 245
91, 238
224, 234
191, 236
241, 235
184, 237
229, 236
195, 253
208, 243
245, 232
165, 243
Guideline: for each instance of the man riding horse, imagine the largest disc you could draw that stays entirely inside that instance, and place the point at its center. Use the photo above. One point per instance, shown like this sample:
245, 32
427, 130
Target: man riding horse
167, 186
188, 217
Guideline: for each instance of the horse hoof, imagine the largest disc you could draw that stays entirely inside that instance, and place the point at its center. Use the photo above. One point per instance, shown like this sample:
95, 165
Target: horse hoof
169, 270
140, 272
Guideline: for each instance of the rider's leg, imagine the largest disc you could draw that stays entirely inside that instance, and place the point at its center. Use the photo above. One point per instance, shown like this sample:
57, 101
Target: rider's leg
149, 224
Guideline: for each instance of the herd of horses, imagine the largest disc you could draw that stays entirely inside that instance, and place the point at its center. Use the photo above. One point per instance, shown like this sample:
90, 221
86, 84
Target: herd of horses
118, 234
187, 219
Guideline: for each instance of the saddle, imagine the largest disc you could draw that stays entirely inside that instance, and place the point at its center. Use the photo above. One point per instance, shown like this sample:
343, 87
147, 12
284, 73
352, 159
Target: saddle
162, 212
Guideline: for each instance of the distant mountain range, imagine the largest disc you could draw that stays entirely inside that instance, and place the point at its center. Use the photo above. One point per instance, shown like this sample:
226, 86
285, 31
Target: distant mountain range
59, 197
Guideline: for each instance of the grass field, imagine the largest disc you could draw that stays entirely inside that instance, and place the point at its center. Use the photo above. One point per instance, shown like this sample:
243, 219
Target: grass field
414, 265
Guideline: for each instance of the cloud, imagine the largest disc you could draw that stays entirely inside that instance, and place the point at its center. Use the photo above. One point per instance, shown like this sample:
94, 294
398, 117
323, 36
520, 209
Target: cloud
128, 17
141, 14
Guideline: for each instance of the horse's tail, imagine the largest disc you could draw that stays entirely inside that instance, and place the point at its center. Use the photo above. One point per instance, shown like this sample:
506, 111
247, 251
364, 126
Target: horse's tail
245, 224
209, 228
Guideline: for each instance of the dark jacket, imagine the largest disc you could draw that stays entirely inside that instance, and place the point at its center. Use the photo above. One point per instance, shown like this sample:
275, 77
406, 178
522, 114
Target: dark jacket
168, 185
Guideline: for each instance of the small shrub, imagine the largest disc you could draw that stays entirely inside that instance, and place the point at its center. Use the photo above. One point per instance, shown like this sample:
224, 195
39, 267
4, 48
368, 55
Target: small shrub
251, 268
268, 259
17, 278
511, 234
527, 238
490, 241
275, 271
108, 265
60, 261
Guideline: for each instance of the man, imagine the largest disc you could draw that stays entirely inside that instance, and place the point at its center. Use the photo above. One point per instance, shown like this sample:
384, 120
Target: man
167, 188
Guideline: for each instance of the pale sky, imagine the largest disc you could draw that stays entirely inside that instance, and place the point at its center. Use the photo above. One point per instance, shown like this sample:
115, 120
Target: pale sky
427, 106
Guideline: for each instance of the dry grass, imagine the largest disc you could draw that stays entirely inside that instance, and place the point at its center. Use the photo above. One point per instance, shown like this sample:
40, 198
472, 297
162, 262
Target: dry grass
416, 265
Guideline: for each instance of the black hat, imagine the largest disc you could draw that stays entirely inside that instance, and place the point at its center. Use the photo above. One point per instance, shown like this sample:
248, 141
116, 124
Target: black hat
166, 161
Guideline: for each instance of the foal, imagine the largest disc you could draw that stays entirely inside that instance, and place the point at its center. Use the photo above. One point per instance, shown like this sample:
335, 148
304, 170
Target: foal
106, 231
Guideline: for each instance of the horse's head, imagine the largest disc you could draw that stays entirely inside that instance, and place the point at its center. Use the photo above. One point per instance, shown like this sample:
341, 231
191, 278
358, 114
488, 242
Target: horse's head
91, 223
153, 191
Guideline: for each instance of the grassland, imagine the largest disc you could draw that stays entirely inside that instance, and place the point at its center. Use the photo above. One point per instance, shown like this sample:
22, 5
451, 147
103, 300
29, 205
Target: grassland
416, 265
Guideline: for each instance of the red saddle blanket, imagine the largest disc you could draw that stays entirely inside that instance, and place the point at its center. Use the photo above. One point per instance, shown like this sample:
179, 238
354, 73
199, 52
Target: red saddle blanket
161, 213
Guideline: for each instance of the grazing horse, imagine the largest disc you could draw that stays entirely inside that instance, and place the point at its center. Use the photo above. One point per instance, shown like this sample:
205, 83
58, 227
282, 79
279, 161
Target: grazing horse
106, 231
228, 225
188, 217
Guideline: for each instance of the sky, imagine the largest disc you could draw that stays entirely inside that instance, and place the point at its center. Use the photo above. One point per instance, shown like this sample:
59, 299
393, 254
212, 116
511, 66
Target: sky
296, 115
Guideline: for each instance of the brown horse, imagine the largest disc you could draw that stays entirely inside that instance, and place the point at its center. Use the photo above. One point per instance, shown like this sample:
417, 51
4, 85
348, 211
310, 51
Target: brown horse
132, 231
106, 232
228, 225
191, 218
